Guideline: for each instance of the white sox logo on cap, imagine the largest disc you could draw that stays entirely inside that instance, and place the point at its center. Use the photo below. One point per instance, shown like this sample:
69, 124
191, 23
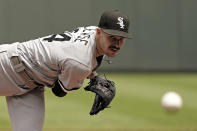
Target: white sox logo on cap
120, 22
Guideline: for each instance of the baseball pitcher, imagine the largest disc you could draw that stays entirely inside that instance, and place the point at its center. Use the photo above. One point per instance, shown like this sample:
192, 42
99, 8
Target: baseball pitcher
61, 62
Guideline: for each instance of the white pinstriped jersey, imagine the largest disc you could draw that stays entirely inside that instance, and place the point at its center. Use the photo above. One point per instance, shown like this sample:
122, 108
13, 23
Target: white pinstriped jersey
70, 57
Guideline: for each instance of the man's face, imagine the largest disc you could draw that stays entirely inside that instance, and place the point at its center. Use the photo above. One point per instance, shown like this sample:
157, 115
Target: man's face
109, 44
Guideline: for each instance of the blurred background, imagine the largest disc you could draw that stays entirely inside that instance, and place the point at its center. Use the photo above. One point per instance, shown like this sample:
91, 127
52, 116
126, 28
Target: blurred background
164, 40
164, 31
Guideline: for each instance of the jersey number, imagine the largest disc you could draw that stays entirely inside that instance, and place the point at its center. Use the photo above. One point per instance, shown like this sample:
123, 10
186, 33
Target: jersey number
53, 38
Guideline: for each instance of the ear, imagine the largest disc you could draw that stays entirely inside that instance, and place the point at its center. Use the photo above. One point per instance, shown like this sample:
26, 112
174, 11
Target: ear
98, 30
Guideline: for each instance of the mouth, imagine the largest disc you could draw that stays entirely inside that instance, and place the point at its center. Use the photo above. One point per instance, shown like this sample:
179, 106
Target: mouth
114, 48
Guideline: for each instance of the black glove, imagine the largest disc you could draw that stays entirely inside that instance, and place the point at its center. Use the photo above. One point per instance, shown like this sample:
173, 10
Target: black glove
105, 92
57, 90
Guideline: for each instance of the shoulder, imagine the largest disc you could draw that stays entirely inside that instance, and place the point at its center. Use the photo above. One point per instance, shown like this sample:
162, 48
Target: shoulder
84, 45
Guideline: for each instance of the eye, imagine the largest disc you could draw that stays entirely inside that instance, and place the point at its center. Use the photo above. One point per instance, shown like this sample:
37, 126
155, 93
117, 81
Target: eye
121, 39
113, 39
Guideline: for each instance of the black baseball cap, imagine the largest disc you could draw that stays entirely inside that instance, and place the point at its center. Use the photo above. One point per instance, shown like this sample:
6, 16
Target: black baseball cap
114, 22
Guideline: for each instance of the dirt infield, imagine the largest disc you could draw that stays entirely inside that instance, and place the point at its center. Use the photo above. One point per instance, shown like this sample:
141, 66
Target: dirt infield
106, 130
91, 130
109, 130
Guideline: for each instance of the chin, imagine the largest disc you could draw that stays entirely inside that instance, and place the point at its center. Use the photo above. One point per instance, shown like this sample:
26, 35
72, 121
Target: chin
111, 55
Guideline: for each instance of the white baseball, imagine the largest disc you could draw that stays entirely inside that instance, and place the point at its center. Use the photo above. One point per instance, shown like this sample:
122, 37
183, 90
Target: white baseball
171, 101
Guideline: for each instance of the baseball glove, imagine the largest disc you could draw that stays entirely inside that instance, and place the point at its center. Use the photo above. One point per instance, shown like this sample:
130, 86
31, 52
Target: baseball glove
105, 91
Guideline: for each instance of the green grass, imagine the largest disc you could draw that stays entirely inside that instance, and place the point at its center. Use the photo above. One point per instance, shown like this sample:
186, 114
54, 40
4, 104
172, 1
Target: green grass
136, 105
